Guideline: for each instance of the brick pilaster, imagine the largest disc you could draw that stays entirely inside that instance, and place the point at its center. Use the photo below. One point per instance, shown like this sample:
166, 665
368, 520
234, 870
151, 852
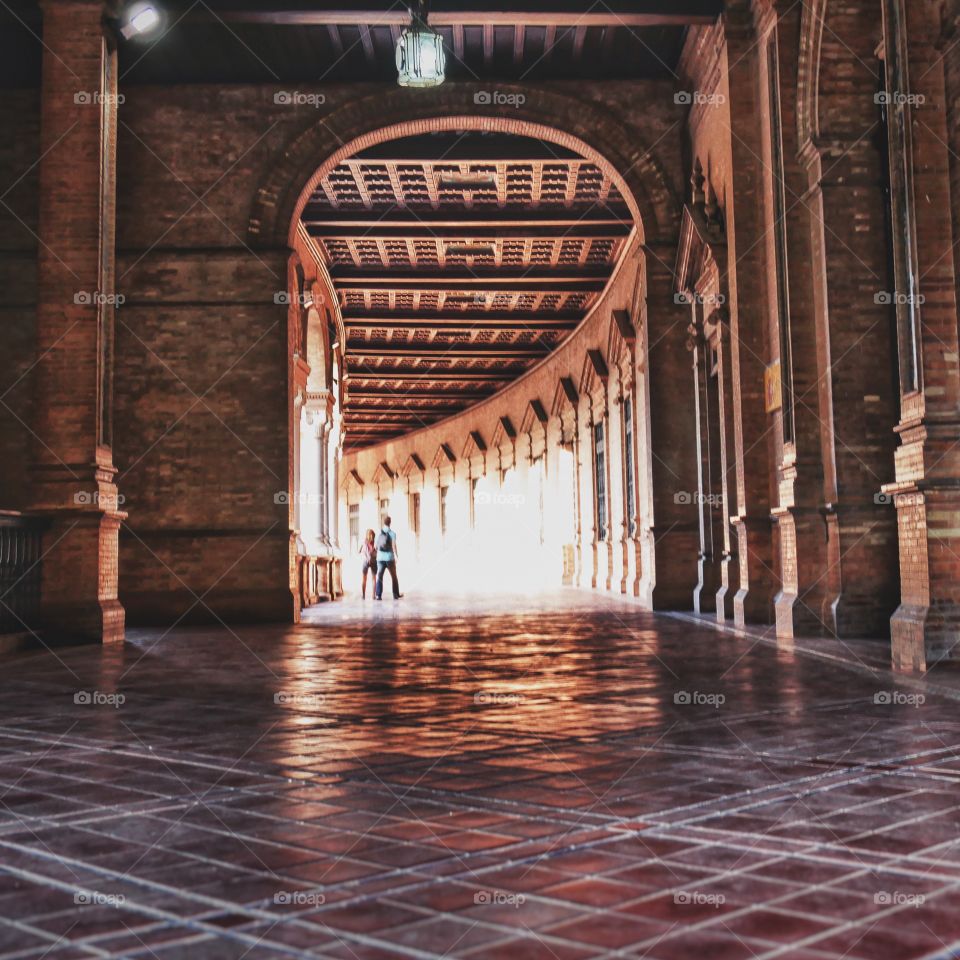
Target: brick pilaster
749, 351
73, 457
674, 536
926, 626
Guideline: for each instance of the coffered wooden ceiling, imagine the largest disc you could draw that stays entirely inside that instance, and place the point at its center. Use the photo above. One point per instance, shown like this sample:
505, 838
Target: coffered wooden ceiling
459, 260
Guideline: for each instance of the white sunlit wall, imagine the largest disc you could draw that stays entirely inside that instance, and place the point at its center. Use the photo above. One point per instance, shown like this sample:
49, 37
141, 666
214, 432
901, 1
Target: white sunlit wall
466, 528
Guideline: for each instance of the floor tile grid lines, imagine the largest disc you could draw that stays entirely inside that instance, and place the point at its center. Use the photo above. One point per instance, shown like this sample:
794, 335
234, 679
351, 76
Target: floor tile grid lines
780, 788
252, 790
599, 799
877, 919
898, 869
816, 650
31, 830
950, 883
211, 928
120, 749
827, 853
115, 876
54, 943
106, 751
106, 814
779, 950
221, 906
195, 800
83, 816
752, 867
799, 799
759, 803
669, 774
400, 800
786, 896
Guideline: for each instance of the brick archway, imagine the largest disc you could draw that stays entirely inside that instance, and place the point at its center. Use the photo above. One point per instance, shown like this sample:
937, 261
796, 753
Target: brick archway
587, 128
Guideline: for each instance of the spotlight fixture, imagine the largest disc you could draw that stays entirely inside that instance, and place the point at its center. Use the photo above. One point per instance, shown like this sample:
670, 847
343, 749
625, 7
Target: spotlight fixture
139, 19
420, 57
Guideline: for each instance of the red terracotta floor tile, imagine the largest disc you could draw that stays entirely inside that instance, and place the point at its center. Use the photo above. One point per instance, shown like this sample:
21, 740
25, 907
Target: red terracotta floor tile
597, 813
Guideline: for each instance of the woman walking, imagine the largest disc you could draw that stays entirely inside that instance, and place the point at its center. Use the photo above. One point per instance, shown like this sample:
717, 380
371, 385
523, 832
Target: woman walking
368, 554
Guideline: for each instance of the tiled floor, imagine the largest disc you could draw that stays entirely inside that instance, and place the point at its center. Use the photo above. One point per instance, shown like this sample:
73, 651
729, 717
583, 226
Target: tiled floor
561, 778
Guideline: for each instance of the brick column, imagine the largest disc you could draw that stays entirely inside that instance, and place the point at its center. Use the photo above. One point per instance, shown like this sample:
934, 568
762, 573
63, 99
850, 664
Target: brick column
674, 534
803, 604
729, 562
754, 443
926, 626
711, 509
857, 405
73, 459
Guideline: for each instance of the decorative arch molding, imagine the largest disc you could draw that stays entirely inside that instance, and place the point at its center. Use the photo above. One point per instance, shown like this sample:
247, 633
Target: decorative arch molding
620, 151
621, 345
593, 384
413, 471
808, 71
475, 454
445, 463
566, 403
534, 427
353, 484
384, 475
855, 32
504, 443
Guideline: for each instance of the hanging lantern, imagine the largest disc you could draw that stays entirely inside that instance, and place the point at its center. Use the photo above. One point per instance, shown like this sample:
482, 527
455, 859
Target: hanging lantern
420, 57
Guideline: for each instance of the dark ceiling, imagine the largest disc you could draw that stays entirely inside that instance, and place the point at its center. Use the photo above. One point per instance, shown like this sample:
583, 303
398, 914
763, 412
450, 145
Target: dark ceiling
262, 41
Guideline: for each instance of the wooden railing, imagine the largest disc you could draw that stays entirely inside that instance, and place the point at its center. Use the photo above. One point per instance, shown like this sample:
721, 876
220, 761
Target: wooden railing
20, 554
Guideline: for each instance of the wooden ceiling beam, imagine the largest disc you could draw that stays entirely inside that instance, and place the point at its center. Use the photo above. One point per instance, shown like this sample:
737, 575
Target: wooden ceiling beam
456, 233
448, 351
347, 276
493, 284
407, 393
399, 414
440, 376
318, 218
518, 322
448, 13
385, 418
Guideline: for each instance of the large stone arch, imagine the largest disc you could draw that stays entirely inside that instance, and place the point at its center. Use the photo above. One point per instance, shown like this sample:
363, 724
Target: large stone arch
590, 129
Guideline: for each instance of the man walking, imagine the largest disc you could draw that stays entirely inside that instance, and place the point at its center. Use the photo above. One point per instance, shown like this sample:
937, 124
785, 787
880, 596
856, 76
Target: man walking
387, 560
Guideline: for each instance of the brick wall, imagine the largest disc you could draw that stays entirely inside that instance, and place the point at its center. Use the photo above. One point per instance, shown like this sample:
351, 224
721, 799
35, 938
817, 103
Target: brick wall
20, 112
202, 445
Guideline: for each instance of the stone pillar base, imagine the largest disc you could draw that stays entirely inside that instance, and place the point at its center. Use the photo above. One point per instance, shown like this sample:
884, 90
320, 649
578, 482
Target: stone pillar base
753, 602
925, 628
675, 568
795, 618
709, 586
79, 579
922, 637
726, 593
